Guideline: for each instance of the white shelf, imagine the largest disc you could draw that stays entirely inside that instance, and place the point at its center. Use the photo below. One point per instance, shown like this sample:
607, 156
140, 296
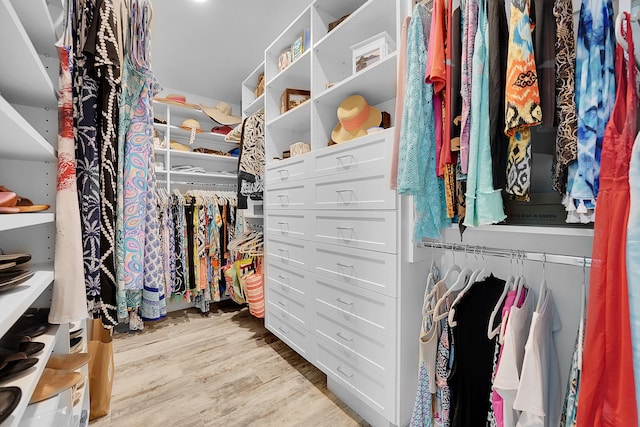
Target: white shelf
284, 41
296, 119
28, 379
257, 104
295, 76
361, 27
19, 140
182, 134
202, 157
84, 397
24, 78
249, 216
203, 176
36, 18
365, 83
41, 414
19, 220
530, 229
14, 302
180, 111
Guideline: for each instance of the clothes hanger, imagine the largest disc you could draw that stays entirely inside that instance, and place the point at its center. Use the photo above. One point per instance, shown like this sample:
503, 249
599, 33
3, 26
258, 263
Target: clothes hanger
582, 310
492, 333
464, 276
475, 277
632, 17
454, 268
518, 286
543, 284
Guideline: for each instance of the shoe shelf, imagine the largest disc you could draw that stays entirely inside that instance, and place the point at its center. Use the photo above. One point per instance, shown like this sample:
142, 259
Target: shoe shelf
19, 220
28, 380
20, 141
24, 77
15, 301
41, 414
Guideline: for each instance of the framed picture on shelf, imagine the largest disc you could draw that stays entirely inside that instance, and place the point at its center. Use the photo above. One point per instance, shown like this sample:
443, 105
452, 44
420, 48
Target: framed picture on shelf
284, 59
291, 98
371, 50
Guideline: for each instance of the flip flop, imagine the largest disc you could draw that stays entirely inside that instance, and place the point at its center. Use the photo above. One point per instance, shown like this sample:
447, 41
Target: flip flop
18, 258
68, 362
53, 382
25, 209
9, 210
34, 331
16, 367
75, 334
9, 399
8, 198
8, 282
7, 266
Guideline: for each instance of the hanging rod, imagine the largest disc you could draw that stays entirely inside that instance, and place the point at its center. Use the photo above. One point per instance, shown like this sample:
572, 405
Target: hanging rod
199, 184
516, 254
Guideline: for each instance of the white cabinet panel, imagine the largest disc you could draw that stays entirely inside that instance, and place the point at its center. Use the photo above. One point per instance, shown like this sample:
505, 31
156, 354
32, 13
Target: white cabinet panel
367, 189
288, 224
288, 252
371, 270
367, 153
296, 337
281, 171
298, 309
286, 196
288, 280
374, 230
347, 369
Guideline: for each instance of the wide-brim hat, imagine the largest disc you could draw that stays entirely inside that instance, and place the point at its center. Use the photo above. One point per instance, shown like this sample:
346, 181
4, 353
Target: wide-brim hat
221, 113
191, 124
355, 116
176, 99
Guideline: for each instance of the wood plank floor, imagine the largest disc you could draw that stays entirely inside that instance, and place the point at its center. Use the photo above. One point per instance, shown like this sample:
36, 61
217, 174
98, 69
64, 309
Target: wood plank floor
222, 370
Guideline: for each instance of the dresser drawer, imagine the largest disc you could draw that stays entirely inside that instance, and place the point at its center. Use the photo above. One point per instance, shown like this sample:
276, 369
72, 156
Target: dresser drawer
367, 189
286, 196
299, 339
356, 308
285, 170
371, 270
370, 152
287, 223
376, 392
375, 350
282, 251
298, 309
375, 230
288, 280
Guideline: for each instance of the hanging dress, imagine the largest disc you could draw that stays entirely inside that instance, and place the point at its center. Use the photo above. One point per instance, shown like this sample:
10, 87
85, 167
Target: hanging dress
570, 406
469, 30
566, 149
483, 203
69, 299
595, 92
633, 259
607, 390
522, 103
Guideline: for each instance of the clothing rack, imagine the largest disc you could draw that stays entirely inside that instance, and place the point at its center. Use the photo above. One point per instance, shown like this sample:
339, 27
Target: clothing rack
514, 254
201, 184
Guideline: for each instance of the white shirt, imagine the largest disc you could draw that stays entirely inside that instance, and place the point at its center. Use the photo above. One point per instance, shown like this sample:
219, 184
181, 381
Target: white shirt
539, 396
507, 377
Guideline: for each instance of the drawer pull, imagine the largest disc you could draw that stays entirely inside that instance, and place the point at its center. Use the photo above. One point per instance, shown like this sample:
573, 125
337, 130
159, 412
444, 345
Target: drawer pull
339, 264
283, 330
344, 228
344, 191
284, 226
283, 304
282, 177
351, 162
281, 277
342, 337
339, 369
282, 197
341, 301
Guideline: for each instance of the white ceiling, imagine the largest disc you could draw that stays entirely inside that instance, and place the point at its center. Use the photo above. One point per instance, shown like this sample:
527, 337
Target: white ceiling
210, 47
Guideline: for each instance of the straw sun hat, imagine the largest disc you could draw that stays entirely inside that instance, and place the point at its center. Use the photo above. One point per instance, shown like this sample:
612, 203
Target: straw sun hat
355, 116
176, 99
221, 113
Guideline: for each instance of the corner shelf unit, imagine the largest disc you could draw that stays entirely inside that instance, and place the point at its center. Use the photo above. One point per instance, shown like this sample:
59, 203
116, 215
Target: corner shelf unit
251, 104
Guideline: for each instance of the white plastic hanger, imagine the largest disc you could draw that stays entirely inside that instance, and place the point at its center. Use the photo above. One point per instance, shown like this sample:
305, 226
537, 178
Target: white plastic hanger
455, 268
543, 284
582, 309
634, 17
476, 275
518, 285
492, 333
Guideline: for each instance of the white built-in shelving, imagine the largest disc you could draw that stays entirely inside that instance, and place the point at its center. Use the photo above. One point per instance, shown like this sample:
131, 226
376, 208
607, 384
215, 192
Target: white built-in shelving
23, 142
251, 103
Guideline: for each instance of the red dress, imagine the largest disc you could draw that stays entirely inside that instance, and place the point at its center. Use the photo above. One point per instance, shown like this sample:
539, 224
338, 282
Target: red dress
607, 389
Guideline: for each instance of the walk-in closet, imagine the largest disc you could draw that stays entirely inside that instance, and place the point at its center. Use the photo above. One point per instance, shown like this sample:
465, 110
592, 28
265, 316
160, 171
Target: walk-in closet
319, 213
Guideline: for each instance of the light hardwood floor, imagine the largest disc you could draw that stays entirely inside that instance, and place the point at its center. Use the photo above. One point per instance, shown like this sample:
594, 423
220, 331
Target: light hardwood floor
222, 370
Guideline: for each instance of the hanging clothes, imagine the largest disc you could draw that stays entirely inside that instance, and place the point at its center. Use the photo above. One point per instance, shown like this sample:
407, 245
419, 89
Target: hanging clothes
539, 396
566, 148
544, 32
507, 378
522, 104
498, 41
251, 162
570, 406
607, 390
401, 78
444, 361
483, 203
595, 94
85, 109
469, 30
633, 260
470, 378
69, 300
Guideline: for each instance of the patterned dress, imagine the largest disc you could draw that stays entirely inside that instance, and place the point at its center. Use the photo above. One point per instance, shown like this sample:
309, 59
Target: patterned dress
522, 103
595, 92
69, 301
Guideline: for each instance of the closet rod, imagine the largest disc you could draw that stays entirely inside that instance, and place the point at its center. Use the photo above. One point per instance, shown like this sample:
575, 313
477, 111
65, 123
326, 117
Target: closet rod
515, 254
199, 184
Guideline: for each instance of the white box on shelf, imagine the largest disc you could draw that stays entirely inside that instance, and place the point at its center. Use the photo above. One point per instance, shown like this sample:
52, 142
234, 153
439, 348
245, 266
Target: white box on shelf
371, 50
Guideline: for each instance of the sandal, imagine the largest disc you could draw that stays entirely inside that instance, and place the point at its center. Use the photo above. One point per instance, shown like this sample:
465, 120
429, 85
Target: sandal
17, 366
10, 202
9, 399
